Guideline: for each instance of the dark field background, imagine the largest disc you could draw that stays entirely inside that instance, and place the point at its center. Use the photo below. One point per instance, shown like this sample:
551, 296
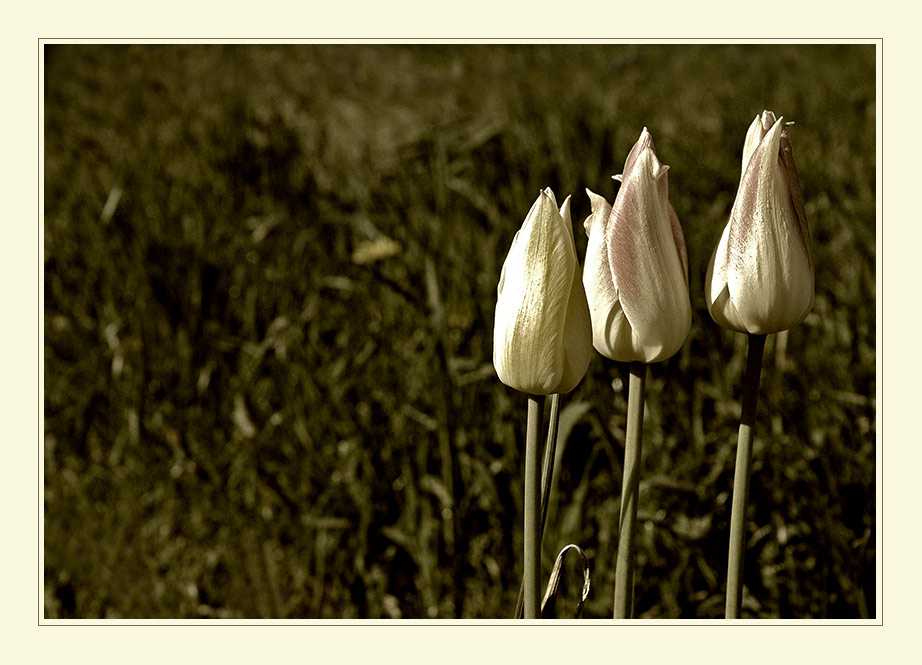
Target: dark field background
270, 275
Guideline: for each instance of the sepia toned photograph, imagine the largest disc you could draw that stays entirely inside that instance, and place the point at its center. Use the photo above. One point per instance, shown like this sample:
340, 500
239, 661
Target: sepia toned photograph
459, 331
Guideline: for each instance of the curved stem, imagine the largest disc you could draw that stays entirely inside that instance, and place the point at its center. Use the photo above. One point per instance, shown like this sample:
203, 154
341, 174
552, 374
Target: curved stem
532, 574
741, 477
624, 565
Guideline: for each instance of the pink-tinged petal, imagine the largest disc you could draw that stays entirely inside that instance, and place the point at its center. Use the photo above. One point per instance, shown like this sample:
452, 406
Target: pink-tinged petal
645, 141
678, 238
792, 181
662, 185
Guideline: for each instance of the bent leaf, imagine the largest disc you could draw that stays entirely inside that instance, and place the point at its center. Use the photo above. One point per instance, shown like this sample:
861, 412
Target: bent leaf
549, 604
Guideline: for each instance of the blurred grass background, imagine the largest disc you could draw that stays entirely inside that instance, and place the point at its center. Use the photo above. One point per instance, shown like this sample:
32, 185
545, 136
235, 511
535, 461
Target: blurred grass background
270, 275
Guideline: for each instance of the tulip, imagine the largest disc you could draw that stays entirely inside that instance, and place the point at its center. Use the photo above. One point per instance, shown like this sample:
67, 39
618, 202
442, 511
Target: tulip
759, 281
542, 338
636, 279
636, 271
760, 277
542, 343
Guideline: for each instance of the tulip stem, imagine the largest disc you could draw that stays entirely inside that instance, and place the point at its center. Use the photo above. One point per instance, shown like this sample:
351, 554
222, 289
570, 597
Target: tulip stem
547, 468
532, 574
741, 477
624, 565
547, 472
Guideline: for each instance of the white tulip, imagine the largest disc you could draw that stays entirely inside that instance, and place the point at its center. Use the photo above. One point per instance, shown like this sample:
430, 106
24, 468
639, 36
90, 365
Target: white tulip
636, 269
542, 340
760, 277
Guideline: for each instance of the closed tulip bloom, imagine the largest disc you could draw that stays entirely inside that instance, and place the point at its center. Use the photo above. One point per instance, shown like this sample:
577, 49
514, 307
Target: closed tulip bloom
760, 277
636, 269
542, 340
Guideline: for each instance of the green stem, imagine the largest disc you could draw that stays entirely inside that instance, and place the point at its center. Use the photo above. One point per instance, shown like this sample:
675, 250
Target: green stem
624, 566
741, 477
547, 472
547, 468
533, 508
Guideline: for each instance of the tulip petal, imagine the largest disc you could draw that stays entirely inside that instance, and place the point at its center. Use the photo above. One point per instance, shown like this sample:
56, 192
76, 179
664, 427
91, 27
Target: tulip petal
601, 209
717, 292
715, 281
567, 222
550, 194
601, 290
577, 337
792, 180
757, 131
613, 337
577, 347
678, 238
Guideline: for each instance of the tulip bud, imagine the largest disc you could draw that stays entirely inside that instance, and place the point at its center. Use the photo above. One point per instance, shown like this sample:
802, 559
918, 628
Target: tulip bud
636, 270
542, 340
760, 277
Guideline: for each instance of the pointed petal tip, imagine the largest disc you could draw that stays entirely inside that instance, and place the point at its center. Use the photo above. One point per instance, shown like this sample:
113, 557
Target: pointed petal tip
595, 199
600, 210
565, 208
549, 193
775, 130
